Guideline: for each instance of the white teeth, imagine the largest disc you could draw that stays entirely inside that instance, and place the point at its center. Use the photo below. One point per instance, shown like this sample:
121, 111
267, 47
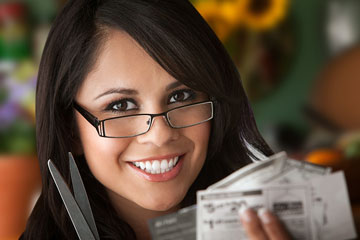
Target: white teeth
142, 165
176, 159
171, 163
157, 166
148, 166
164, 165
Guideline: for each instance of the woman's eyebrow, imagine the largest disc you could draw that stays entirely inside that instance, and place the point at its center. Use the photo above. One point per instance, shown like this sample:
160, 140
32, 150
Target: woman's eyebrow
173, 85
125, 91
128, 91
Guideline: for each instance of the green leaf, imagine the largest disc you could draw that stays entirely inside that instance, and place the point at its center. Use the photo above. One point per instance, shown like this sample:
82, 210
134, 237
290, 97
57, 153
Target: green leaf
3, 95
18, 138
353, 150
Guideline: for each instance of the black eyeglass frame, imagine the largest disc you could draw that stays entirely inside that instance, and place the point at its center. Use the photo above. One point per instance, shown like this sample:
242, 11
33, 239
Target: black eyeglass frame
100, 124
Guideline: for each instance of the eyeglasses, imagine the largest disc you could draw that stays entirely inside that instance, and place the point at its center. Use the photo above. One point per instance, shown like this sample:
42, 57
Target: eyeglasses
138, 124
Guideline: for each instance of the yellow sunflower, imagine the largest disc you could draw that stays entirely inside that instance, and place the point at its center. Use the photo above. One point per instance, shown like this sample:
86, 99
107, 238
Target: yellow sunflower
232, 11
264, 14
223, 16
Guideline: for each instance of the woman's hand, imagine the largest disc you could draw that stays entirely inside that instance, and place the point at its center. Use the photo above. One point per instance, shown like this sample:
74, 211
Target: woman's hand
263, 225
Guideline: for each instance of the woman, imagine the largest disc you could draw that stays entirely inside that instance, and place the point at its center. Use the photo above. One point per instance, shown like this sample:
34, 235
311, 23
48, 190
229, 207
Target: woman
109, 59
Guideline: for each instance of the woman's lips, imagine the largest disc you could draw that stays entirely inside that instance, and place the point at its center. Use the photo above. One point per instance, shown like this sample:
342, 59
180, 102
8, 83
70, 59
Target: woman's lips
158, 170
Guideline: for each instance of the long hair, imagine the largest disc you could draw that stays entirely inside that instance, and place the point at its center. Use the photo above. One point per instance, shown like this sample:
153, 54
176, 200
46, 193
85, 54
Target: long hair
174, 34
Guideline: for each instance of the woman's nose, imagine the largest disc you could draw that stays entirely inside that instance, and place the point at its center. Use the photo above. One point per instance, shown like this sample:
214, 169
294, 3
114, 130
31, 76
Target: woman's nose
160, 133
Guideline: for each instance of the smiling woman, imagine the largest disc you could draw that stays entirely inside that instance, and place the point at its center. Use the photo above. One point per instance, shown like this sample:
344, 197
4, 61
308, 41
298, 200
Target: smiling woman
150, 89
146, 97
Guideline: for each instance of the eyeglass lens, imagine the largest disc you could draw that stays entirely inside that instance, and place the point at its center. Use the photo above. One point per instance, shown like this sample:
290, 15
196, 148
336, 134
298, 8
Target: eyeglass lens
178, 118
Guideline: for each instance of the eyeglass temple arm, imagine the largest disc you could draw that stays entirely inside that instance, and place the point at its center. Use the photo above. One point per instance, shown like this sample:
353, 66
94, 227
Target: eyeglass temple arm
88, 116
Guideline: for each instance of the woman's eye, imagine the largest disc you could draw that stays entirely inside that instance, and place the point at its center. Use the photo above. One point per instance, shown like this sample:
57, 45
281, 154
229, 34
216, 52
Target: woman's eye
181, 96
122, 106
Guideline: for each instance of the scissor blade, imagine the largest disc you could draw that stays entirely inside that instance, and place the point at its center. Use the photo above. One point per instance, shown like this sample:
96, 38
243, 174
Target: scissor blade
81, 196
81, 226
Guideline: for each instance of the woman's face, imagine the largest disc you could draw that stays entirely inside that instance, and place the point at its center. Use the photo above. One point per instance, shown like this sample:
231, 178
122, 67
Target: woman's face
126, 81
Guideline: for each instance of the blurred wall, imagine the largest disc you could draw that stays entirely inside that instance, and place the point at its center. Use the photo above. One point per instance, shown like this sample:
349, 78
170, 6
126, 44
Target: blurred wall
285, 104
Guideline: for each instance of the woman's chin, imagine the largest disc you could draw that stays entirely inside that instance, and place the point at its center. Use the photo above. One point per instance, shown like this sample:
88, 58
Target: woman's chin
161, 204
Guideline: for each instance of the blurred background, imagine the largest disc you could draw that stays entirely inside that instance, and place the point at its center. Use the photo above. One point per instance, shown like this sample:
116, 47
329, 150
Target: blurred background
299, 61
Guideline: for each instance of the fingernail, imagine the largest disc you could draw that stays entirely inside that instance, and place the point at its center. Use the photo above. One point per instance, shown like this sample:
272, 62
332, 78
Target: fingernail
264, 216
245, 213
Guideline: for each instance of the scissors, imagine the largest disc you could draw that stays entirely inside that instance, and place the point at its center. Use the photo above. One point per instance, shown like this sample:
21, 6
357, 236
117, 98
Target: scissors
78, 208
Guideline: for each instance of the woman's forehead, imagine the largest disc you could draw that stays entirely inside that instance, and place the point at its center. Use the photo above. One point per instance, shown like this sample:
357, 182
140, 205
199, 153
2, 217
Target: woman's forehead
123, 63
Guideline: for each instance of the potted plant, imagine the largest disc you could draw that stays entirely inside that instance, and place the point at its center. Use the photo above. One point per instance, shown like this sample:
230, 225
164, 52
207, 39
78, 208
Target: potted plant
19, 170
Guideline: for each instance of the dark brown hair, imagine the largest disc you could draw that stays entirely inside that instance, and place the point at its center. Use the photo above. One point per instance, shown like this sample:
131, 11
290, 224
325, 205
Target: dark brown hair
174, 34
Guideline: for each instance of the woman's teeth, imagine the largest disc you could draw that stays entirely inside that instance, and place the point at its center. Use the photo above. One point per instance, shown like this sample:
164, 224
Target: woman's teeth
157, 166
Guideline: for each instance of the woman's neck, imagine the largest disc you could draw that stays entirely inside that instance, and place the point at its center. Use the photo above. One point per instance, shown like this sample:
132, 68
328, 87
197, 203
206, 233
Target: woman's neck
136, 216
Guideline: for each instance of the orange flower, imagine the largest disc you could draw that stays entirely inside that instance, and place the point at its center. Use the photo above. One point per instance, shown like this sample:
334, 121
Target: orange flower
326, 157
